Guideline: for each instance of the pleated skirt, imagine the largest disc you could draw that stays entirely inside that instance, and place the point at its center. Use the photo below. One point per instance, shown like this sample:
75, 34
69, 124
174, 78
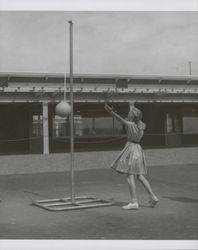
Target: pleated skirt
130, 160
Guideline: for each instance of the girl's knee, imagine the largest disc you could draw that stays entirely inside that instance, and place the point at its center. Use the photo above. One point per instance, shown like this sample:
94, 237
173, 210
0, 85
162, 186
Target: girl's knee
139, 177
130, 178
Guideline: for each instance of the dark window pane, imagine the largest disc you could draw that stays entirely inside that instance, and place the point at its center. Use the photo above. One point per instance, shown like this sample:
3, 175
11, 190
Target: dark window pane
87, 126
78, 131
37, 125
104, 125
60, 127
118, 128
173, 123
122, 83
190, 123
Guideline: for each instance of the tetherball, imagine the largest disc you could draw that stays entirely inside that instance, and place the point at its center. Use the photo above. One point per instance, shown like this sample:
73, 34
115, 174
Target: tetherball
63, 109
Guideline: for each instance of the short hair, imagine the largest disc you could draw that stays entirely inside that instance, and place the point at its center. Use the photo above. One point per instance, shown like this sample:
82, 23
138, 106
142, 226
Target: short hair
135, 115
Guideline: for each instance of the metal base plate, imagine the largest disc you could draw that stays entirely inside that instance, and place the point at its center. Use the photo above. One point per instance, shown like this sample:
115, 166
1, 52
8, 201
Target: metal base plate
63, 204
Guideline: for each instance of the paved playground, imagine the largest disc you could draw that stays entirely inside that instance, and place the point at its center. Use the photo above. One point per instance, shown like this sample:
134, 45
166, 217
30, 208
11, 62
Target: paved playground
175, 217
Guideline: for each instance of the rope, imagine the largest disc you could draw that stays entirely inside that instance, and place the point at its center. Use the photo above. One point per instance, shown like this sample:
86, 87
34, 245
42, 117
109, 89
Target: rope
22, 139
92, 142
115, 137
65, 80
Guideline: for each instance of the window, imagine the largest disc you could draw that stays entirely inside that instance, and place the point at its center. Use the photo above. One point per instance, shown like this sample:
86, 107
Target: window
173, 123
103, 125
96, 126
37, 125
122, 83
190, 122
118, 128
88, 126
78, 125
60, 126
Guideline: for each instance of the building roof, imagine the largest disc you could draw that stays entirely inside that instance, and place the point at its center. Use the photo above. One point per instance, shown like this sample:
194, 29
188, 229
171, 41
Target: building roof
38, 87
113, 76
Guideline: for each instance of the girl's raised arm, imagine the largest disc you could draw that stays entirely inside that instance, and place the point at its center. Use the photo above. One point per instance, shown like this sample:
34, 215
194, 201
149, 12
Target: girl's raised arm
112, 113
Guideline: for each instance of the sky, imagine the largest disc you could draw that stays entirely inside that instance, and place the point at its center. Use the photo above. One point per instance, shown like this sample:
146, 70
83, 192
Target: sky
132, 43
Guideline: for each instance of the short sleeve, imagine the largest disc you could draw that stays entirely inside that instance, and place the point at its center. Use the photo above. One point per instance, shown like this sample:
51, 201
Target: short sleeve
131, 127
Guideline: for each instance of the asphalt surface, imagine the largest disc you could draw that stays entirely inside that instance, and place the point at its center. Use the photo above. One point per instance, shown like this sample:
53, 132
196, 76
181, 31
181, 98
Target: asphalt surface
175, 217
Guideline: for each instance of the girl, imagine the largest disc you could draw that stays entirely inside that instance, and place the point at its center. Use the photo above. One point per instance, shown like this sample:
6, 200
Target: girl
131, 159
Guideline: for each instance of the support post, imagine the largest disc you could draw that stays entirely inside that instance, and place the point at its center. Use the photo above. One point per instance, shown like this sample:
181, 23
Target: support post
45, 129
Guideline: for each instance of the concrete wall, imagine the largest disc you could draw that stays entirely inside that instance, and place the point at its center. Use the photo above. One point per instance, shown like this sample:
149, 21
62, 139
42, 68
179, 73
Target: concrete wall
20, 164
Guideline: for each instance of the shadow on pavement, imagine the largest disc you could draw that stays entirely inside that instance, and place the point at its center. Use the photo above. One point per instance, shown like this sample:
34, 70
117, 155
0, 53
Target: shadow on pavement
119, 203
182, 199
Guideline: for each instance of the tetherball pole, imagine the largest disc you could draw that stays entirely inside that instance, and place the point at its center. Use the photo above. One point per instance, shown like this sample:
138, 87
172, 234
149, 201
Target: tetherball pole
72, 110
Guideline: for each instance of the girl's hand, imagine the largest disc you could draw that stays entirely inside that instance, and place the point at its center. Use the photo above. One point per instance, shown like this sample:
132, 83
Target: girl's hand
108, 108
131, 105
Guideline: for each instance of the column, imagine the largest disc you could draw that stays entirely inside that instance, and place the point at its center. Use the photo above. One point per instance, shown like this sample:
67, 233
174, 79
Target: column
45, 129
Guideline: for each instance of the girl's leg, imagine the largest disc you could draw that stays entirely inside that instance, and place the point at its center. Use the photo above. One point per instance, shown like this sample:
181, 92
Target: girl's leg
146, 184
132, 189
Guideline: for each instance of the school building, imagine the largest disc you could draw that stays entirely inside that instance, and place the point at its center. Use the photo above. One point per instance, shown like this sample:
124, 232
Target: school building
29, 124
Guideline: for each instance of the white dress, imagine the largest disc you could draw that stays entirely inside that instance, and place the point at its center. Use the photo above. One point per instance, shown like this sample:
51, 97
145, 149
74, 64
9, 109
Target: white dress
131, 159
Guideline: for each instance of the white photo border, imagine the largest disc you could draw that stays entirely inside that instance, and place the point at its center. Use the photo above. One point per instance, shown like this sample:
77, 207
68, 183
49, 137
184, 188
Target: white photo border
98, 5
